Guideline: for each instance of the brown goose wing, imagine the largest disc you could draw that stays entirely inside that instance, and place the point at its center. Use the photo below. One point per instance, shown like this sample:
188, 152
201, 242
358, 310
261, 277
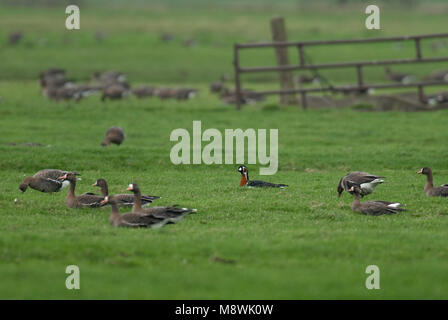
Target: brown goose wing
376, 208
441, 191
90, 200
46, 185
173, 213
141, 220
128, 199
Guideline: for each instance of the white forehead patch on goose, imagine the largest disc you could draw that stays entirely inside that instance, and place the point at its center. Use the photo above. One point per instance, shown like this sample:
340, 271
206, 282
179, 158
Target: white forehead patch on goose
106, 198
131, 186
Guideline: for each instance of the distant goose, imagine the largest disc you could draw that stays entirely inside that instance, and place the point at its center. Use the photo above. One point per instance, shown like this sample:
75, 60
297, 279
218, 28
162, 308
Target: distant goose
217, 86
86, 200
185, 93
143, 92
113, 135
245, 182
165, 93
368, 182
115, 91
133, 220
439, 75
123, 199
430, 190
398, 77
45, 181
15, 37
171, 212
373, 208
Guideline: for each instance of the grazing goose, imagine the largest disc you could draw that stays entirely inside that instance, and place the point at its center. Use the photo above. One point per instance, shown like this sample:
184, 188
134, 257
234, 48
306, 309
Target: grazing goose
122, 199
86, 200
245, 182
217, 86
143, 92
171, 212
373, 208
430, 190
398, 77
367, 181
133, 220
165, 93
185, 93
45, 181
113, 135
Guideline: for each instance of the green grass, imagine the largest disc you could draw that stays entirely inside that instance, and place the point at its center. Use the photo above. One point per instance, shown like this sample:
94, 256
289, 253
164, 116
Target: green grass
300, 242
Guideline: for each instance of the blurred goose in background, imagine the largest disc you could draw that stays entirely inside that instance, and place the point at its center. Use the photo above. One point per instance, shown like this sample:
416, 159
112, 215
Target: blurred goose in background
133, 220
165, 93
373, 208
45, 180
367, 182
430, 190
399, 77
15, 37
123, 199
171, 212
185, 93
143, 92
245, 182
438, 75
86, 200
114, 135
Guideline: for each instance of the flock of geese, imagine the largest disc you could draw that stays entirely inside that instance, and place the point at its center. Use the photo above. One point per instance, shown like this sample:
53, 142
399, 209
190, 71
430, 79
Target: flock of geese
53, 180
111, 84
358, 183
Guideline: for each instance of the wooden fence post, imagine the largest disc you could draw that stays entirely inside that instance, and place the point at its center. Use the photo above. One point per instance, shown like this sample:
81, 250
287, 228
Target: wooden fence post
286, 78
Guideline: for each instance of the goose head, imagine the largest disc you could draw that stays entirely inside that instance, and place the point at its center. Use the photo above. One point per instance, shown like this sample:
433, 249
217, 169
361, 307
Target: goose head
109, 200
100, 183
425, 171
355, 189
70, 176
24, 185
133, 187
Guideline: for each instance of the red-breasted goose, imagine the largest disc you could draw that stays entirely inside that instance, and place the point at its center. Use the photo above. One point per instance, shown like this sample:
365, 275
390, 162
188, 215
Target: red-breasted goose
113, 135
45, 181
430, 190
373, 208
367, 181
122, 199
245, 182
132, 220
86, 200
171, 212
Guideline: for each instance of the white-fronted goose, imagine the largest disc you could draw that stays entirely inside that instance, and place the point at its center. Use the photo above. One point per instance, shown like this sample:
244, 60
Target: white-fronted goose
86, 200
171, 212
367, 181
123, 199
132, 220
245, 182
216, 87
45, 181
373, 208
430, 190
165, 93
113, 135
398, 77
185, 93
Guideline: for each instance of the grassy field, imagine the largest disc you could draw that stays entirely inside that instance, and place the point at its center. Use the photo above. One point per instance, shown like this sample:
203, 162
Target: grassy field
301, 242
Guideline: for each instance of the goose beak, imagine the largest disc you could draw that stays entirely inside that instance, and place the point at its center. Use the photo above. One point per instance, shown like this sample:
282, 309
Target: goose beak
94, 185
103, 201
351, 189
419, 172
129, 188
63, 177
